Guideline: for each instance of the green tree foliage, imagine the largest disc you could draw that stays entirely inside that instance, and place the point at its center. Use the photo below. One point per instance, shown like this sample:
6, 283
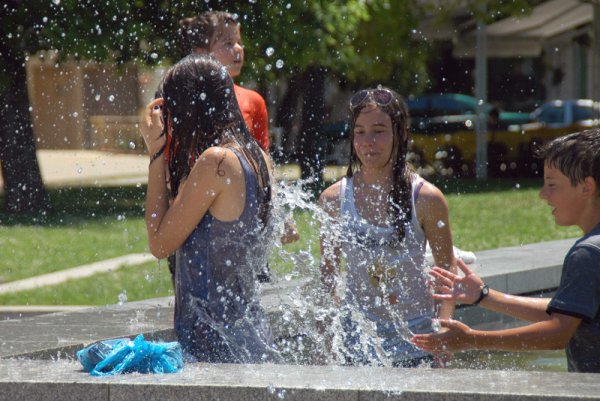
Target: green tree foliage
362, 42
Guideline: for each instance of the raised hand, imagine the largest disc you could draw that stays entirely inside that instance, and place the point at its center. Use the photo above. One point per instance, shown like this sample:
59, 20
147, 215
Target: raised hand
151, 125
462, 289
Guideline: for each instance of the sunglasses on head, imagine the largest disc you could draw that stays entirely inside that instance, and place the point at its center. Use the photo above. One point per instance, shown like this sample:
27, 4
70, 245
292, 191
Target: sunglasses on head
381, 97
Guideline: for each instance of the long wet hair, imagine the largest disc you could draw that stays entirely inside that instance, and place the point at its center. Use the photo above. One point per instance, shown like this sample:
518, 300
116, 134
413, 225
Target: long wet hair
399, 198
202, 111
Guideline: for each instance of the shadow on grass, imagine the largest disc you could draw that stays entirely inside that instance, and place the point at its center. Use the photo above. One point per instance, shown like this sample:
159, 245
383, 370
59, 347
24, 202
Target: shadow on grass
73, 205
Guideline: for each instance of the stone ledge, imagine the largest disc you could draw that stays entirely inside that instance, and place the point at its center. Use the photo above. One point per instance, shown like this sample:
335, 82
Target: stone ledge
534, 267
523, 269
64, 380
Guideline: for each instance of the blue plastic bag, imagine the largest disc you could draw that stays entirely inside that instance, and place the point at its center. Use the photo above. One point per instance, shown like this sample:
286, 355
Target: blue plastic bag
121, 355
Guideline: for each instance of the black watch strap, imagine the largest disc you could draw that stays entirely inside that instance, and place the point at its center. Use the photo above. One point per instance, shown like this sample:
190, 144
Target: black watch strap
485, 290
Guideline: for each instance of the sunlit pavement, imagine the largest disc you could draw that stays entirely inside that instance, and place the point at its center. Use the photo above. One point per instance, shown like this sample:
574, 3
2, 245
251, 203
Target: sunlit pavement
75, 273
65, 168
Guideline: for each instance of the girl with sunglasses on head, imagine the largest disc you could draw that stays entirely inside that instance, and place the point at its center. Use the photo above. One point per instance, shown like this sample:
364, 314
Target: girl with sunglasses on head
383, 214
219, 220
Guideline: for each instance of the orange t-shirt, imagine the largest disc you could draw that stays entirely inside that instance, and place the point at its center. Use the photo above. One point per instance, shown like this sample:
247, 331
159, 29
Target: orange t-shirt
254, 111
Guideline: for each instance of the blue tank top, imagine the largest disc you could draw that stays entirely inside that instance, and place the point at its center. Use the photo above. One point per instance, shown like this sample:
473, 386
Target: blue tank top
218, 317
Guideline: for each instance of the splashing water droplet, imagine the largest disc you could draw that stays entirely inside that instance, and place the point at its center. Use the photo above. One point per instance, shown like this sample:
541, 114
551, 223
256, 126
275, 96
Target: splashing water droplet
122, 297
279, 64
111, 98
132, 145
271, 388
441, 224
270, 51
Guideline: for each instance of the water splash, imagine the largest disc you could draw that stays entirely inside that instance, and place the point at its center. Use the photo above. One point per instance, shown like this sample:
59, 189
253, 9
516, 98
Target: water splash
311, 325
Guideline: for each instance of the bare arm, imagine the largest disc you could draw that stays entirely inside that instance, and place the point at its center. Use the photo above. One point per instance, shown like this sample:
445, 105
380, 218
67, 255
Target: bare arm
432, 210
169, 226
552, 333
524, 308
466, 289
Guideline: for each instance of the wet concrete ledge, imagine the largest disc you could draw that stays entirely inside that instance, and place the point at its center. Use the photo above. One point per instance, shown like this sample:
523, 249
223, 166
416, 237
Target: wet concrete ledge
517, 270
36, 355
61, 380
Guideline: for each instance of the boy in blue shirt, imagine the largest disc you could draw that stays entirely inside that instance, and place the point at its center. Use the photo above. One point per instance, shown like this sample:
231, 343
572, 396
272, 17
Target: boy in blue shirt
571, 319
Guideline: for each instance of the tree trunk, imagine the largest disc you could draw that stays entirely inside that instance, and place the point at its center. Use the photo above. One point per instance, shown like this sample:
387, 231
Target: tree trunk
23, 187
285, 116
310, 149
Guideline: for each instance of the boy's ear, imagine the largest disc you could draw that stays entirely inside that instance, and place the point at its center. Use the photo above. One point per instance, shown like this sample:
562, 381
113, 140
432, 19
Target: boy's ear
590, 186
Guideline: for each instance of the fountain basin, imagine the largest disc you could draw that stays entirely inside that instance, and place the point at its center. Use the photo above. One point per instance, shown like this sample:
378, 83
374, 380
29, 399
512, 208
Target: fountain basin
36, 354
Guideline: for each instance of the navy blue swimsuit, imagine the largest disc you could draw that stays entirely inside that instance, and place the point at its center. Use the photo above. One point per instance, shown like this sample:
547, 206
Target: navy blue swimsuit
218, 317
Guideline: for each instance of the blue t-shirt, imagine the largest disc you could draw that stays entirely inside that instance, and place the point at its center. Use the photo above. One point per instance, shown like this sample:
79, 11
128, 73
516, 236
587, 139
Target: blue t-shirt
579, 295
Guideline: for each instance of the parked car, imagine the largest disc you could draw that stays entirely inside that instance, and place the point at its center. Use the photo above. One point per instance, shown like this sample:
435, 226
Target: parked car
432, 113
565, 113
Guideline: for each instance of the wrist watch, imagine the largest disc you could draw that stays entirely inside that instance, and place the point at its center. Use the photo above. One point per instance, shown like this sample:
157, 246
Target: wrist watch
485, 291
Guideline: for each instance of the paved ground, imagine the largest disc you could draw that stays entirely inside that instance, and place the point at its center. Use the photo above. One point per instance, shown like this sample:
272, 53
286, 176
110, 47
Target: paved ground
75, 273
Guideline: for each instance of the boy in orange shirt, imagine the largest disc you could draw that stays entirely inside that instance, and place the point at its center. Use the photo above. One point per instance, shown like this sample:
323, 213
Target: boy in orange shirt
218, 33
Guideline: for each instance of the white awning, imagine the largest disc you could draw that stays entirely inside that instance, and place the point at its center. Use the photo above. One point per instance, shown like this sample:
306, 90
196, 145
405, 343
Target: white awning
525, 36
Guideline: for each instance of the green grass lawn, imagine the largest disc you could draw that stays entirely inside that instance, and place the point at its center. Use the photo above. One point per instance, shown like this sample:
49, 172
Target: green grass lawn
91, 224
503, 218
131, 283
85, 225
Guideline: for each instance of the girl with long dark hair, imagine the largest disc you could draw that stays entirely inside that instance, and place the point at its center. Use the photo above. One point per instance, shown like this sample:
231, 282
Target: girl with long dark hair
219, 220
384, 214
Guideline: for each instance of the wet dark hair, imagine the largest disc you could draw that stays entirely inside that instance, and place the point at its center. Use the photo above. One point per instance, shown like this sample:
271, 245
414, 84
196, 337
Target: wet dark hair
399, 199
576, 155
199, 31
200, 104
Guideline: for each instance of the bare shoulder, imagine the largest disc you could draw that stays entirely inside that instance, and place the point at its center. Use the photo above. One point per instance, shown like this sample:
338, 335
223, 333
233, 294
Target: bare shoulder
431, 198
218, 160
330, 198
